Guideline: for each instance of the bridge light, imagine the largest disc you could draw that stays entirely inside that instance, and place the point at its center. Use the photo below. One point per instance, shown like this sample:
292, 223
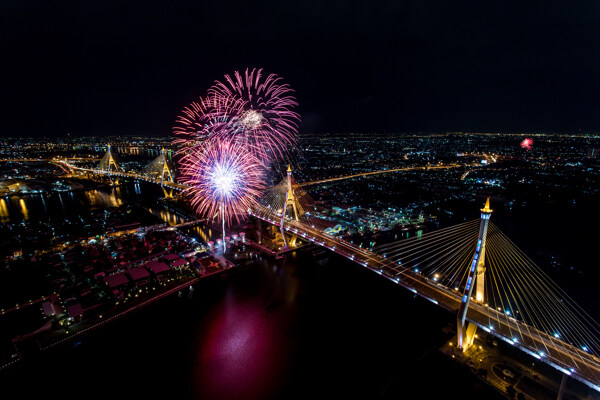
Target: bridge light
584, 348
556, 335
417, 270
507, 312
542, 354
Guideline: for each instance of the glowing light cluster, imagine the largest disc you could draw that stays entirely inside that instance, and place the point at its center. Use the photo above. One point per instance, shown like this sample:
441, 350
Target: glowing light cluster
527, 144
251, 119
223, 177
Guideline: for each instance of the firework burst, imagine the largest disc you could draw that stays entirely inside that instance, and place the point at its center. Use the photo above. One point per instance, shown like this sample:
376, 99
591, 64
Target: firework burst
527, 144
223, 178
265, 119
205, 119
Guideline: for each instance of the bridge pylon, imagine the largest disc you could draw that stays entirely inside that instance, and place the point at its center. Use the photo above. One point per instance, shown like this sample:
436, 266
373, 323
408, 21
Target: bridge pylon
290, 201
160, 170
476, 278
109, 161
166, 171
167, 191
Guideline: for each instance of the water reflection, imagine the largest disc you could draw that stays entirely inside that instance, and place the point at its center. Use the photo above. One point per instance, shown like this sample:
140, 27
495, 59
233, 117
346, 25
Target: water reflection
4, 213
241, 353
167, 216
26, 207
24, 210
204, 233
99, 199
44, 203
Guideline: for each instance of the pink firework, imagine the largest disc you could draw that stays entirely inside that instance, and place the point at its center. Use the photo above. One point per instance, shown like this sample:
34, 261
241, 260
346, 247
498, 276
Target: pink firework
526, 144
204, 119
223, 178
266, 120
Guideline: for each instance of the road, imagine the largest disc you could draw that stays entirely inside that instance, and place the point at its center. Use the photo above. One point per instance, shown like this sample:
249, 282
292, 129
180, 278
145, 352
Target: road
387, 171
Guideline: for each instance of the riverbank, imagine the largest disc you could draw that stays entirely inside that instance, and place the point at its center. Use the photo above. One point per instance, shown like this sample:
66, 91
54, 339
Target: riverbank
45, 339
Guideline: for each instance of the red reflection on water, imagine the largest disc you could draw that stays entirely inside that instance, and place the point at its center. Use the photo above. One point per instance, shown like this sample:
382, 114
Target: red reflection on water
241, 354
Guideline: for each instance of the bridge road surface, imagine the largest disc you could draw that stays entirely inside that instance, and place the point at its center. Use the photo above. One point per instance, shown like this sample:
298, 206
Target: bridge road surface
426, 167
562, 356
172, 185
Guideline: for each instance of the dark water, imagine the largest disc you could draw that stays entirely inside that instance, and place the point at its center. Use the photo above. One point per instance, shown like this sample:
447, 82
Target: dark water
308, 326
14, 209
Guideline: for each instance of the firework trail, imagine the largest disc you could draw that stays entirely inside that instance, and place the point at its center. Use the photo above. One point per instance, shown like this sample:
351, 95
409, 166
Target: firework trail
265, 119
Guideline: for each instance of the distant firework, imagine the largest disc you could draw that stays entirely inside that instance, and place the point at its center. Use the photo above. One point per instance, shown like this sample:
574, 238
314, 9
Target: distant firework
266, 120
526, 144
224, 178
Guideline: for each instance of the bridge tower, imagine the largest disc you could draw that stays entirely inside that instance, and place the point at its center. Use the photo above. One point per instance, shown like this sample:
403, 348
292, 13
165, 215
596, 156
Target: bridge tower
476, 278
290, 201
166, 171
165, 175
109, 160
160, 169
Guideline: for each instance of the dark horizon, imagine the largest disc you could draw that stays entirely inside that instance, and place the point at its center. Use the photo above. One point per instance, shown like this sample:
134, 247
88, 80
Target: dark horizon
128, 69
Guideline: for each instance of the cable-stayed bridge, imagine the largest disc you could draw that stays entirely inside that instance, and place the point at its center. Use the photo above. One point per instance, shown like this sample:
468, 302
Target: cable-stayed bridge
471, 269
159, 171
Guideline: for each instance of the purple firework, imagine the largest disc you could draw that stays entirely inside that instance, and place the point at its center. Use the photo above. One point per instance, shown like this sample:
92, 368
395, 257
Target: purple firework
223, 178
265, 119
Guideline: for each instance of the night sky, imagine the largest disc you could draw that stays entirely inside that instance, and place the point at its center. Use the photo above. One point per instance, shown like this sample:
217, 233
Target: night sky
119, 67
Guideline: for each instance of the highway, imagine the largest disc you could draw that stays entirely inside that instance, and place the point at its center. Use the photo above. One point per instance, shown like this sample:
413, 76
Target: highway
387, 171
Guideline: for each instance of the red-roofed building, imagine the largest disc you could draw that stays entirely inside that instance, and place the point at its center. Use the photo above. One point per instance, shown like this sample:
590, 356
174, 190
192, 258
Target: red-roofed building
116, 280
50, 309
75, 311
117, 283
171, 257
139, 275
157, 267
180, 263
